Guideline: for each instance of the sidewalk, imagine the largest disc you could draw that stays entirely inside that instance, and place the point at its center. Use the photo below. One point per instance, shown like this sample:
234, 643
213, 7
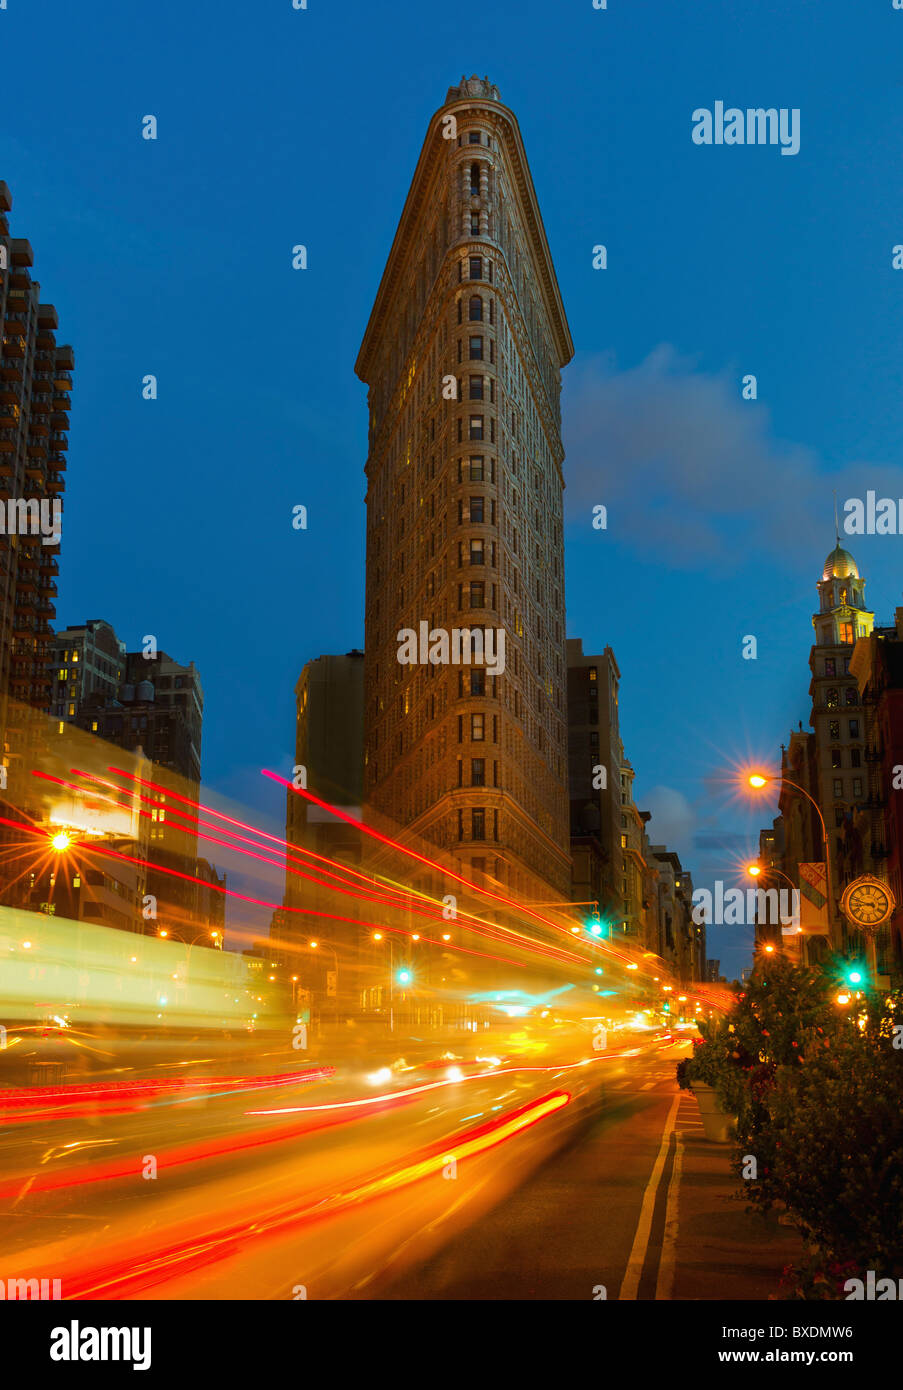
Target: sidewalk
721, 1250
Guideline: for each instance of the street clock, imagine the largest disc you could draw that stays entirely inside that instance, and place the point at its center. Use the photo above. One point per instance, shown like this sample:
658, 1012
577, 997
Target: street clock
867, 903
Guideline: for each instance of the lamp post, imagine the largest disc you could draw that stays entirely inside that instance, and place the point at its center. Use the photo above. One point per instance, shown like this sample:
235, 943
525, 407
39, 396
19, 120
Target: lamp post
759, 779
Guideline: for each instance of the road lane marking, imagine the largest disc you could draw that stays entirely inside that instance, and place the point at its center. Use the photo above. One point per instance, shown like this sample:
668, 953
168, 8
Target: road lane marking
647, 1085
637, 1258
664, 1284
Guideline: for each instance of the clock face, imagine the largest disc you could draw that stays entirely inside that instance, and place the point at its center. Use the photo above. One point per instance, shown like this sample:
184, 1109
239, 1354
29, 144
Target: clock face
868, 903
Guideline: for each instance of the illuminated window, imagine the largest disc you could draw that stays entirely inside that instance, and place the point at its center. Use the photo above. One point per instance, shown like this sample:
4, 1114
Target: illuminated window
72, 709
476, 427
833, 728
94, 726
477, 728
478, 823
832, 698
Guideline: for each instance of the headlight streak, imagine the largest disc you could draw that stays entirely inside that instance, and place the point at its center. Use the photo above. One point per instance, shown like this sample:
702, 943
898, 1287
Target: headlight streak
130, 1274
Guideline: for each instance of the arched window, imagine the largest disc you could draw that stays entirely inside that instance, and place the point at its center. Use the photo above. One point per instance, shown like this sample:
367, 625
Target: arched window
476, 309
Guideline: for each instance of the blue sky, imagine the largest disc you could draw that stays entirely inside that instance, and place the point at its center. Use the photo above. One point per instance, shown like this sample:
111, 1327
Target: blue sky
279, 127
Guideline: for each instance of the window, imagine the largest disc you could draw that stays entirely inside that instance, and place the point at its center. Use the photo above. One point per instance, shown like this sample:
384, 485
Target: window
838, 786
476, 509
855, 758
830, 665
477, 594
832, 699
478, 772
475, 180
594, 741
474, 138
478, 682
476, 470
476, 267
476, 388
836, 758
846, 633
593, 675
854, 728
475, 224
476, 552
838, 816
857, 786
476, 349
478, 823
623, 842
833, 728
851, 695
476, 427
477, 730
475, 312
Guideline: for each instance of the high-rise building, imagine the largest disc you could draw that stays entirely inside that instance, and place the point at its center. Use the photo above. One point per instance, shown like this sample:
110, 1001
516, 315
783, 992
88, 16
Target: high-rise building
463, 356
86, 660
35, 382
157, 706
329, 761
594, 758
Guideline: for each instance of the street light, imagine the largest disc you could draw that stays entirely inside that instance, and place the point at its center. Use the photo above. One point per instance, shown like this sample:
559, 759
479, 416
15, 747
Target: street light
61, 841
758, 779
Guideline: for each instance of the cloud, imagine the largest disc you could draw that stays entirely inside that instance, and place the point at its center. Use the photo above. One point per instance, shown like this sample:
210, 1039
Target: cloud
673, 818
689, 471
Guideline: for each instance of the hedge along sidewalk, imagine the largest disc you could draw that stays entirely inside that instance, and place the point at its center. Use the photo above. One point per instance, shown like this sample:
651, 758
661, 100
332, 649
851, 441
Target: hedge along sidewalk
721, 1250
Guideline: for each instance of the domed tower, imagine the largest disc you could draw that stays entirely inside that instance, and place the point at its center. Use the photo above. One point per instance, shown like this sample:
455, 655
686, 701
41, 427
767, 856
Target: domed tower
842, 616
837, 714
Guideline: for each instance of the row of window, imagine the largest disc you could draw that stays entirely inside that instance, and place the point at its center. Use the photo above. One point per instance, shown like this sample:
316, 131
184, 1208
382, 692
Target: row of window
478, 772
850, 696
479, 552
478, 823
476, 308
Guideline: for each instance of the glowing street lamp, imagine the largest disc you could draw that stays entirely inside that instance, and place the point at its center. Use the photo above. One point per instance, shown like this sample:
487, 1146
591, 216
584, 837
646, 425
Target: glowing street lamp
61, 841
757, 780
